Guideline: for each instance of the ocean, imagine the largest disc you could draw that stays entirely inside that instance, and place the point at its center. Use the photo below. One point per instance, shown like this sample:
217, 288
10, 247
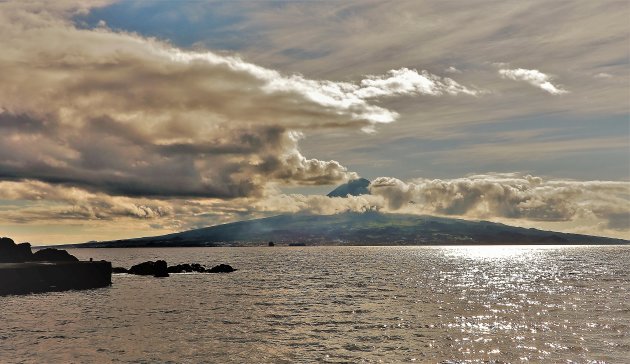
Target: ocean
513, 304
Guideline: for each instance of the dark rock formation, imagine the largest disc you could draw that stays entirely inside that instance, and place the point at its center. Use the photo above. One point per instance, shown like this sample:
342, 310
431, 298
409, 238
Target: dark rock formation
158, 268
187, 268
198, 268
19, 253
23, 250
180, 268
221, 268
14, 253
53, 255
161, 269
271, 243
20, 272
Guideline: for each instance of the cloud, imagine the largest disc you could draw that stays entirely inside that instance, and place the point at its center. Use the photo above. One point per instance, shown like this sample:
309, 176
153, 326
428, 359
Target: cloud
112, 128
354, 38
70, 203
319, 204
603, 75
127, 115
512, 196
409, 82
534, 78
452, 69
591, 207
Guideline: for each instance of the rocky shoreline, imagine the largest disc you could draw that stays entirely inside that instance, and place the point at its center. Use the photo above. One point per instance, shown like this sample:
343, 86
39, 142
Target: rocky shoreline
47, 270
23, 271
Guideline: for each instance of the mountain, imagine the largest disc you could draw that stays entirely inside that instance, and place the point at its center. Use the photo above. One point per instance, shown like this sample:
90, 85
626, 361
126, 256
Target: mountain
356, 187
355, 228
369, 228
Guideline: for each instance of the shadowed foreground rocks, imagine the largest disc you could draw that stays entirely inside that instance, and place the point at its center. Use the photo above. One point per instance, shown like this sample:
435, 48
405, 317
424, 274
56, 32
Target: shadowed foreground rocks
53, 255
14, 253
160, 268
46, 270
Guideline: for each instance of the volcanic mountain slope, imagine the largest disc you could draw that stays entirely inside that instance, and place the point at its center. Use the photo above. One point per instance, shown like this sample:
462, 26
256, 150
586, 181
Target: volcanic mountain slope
350, 228
355, 228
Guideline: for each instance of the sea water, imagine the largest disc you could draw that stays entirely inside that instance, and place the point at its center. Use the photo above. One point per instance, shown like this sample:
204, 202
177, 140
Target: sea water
337, 304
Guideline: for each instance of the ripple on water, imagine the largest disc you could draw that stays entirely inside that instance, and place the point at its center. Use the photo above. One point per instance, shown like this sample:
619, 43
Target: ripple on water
338, 304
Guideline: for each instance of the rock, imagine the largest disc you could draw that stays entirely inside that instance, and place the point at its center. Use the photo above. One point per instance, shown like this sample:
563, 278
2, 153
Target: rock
221, 268
158, 268
143, 269
180, 268
271, 243
47, 270
14, 253
187, 268
6, 243
161, 269
53, 255
198, 268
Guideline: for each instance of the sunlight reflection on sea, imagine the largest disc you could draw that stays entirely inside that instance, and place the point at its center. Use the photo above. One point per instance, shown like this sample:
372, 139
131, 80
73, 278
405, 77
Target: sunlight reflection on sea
338, 304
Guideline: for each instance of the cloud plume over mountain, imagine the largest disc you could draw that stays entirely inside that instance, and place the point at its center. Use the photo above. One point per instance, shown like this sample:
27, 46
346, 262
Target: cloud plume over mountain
126, 115
511, 196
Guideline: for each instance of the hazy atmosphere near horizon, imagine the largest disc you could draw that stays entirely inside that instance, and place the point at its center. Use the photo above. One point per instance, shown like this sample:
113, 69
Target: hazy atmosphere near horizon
121, 119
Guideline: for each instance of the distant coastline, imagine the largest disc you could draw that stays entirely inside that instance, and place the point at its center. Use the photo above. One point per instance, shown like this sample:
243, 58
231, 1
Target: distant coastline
357, 229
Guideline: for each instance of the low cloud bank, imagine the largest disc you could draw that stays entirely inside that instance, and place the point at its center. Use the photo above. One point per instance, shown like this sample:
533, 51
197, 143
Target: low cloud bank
511, 196
592, 207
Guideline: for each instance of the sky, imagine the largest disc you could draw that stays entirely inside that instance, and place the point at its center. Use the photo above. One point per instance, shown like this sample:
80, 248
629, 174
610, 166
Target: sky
137, 118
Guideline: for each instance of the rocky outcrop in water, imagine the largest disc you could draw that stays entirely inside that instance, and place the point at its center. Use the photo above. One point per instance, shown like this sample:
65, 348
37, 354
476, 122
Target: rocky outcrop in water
160, 268
150, 268
221, 268
187, 268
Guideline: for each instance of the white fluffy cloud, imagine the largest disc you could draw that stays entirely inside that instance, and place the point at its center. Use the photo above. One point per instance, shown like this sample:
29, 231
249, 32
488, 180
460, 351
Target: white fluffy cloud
534, 78
594, 207
409, 82
126, 115
511, 196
